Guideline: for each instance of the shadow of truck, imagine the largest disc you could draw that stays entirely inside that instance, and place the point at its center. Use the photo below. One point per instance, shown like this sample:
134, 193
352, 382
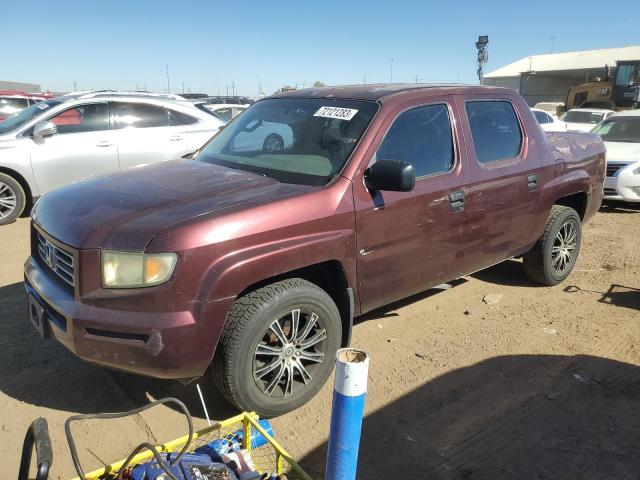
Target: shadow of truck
512, 417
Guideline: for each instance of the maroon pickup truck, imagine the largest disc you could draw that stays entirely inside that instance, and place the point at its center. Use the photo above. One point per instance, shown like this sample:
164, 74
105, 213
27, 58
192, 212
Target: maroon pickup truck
251, 260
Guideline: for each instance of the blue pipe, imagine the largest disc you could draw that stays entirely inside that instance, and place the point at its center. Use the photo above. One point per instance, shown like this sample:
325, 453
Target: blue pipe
349, 393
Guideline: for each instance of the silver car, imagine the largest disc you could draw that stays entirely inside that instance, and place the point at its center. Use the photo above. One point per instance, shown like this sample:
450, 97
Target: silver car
65, 139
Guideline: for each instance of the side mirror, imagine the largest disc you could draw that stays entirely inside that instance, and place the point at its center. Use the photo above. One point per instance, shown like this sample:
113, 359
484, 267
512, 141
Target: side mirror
44, 129
391, 175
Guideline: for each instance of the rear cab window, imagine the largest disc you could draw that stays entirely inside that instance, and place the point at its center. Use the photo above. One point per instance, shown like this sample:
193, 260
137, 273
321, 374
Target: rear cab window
495, 129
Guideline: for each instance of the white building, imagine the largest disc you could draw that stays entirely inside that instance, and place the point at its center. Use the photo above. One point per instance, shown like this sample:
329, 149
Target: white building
548, 77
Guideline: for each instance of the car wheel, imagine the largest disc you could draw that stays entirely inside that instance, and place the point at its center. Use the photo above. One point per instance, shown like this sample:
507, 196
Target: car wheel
553, 257
12, 199
273, 143
278, 347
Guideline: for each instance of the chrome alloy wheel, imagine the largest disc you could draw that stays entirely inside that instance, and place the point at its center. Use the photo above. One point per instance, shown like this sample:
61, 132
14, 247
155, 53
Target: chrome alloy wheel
564, 245
288, 353
8, 200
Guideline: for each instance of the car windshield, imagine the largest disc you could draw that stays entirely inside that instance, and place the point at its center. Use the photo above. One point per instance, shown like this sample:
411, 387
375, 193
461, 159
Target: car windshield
296, 140
23, 117
581, 116
620, 129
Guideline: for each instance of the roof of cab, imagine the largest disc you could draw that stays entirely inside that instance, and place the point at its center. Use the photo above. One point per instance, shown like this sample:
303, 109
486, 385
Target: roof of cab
380, 91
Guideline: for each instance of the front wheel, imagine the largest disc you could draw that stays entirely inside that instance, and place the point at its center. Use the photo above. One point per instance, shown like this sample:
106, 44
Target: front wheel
278, 347
12, 199
553, 257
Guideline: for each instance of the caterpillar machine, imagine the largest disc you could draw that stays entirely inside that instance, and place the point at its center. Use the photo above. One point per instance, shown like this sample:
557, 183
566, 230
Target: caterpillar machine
617, 92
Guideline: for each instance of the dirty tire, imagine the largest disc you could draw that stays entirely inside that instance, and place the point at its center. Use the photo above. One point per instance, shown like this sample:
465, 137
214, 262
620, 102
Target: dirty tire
249, 325
12, 199
538, 262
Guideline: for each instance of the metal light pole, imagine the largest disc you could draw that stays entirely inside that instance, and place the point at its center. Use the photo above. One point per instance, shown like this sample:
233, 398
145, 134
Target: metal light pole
483, 55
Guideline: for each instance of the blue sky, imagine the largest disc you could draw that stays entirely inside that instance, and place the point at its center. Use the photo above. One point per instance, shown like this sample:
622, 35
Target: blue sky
209, 45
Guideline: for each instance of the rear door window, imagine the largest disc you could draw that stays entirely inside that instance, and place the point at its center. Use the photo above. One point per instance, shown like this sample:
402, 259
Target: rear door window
422, 137
495, 130
140, 115
92, 117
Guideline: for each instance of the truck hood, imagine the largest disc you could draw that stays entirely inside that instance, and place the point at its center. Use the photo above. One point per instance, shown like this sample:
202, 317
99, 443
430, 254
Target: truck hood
124, 210
623, 151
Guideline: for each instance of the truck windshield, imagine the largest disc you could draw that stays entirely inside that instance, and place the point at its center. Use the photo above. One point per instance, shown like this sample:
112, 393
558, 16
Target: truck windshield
581, 116
620, 129
23, 117
294, 140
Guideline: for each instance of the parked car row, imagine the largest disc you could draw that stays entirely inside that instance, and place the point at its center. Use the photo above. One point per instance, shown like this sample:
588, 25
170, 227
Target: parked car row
57, 141
621, 134
12, 102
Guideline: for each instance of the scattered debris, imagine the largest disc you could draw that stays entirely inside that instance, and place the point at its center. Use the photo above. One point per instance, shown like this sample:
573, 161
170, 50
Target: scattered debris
421, 355
379, 325
492, 298
442, 286
578, 377
411, 439
467, 312
551, 396
549, 331
392, 339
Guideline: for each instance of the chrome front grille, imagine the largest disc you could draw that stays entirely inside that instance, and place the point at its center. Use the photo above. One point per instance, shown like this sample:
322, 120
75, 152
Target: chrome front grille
612, 168
58, 260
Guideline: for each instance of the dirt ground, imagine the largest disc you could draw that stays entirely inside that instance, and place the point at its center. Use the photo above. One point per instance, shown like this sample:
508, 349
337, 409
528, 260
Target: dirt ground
544, 384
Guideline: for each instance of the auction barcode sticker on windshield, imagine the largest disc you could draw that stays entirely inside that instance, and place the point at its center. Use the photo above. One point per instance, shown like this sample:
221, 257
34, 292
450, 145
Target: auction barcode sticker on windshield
336, 112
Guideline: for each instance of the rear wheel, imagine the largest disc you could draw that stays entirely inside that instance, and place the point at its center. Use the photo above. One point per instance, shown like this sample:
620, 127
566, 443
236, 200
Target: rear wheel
12, 199
278, 347
553, 257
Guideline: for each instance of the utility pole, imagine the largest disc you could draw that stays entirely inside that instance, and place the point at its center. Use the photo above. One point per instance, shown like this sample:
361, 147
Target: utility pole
233, 88
416, 78
227, 90
483, 55
364, 79
75, 87
553, 41
391, 74
168, 85
182, 87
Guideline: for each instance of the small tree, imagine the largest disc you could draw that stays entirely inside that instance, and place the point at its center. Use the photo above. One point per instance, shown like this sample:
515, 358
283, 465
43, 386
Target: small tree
319, 84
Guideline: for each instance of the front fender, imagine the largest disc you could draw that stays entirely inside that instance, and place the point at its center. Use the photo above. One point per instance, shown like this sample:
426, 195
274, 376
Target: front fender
231, 274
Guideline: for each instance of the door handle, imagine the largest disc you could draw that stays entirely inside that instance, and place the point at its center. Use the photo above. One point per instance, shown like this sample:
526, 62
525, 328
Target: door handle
532, 182
176, 138
456, 201
104, 143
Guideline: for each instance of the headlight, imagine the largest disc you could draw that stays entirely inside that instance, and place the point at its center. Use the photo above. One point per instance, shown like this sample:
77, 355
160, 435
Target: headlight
131, 270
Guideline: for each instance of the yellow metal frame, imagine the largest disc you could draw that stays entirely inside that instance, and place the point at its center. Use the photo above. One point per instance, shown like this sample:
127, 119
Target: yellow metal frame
248, 420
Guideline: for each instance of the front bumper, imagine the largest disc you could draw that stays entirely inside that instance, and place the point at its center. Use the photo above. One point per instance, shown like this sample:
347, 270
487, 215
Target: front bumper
163, 345
624, 185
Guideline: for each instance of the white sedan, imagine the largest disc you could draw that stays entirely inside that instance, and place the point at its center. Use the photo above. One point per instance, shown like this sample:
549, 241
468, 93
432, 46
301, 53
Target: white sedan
548, 122
584, 119
59, 141
621, 135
